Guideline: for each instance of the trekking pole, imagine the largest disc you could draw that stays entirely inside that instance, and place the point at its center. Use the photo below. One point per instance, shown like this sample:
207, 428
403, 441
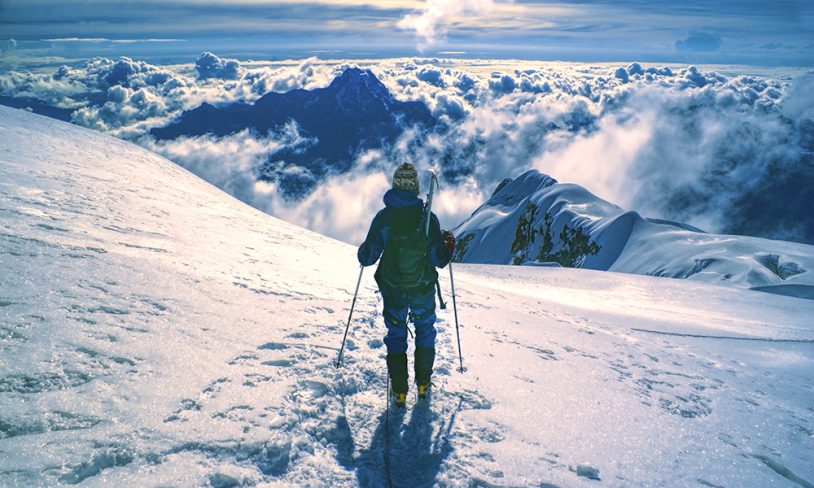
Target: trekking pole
455, 310
352, 304
434, 181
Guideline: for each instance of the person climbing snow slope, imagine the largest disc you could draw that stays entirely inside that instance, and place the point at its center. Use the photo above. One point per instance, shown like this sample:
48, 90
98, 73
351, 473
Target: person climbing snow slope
407, 277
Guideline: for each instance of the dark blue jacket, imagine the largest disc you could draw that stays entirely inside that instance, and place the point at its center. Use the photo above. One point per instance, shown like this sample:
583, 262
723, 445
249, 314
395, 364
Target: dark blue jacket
372, 248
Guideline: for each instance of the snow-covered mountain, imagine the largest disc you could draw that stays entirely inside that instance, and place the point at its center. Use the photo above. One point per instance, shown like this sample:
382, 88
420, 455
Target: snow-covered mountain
354, 113
523, 222
156, 332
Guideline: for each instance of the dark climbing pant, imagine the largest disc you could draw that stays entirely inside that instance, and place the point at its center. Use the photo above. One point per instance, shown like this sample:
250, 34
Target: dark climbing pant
398, 305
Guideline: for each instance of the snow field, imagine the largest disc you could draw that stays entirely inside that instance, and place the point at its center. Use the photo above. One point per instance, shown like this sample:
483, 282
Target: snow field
154, 331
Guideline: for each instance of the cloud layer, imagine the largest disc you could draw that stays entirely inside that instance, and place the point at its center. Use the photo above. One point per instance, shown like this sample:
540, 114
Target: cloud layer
717, 150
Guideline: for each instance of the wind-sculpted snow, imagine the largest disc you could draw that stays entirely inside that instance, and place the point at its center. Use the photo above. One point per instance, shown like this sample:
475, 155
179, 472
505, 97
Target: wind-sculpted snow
626, 242
155, 331
725, 149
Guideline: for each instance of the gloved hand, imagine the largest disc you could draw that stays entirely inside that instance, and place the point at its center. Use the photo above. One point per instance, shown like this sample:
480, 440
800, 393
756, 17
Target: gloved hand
449, 240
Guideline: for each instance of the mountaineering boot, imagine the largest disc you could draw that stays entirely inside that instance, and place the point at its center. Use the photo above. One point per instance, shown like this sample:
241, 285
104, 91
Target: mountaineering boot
397, 369
424, 359
400, 398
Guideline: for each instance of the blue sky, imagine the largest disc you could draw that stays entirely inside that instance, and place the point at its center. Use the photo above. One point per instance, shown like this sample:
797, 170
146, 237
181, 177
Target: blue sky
777, 33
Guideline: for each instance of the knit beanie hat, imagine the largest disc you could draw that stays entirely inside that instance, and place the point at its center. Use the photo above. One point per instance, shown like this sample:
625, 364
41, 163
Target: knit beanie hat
406, 178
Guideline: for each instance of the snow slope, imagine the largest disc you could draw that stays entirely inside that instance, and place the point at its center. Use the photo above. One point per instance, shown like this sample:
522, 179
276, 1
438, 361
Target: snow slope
632, 244
156, 332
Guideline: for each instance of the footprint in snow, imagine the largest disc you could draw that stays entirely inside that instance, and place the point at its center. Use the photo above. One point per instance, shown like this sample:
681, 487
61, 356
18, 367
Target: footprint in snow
278, 362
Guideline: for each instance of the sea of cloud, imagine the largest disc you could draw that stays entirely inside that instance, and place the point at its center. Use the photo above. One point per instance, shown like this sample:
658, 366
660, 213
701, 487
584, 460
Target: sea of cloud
711, 147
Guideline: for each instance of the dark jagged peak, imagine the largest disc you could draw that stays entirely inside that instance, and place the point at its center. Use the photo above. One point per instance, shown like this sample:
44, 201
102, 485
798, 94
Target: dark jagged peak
354, 97
358, 86
354, 75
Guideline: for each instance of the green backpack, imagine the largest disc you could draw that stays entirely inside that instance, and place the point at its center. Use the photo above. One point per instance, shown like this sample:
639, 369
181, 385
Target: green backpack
404, 260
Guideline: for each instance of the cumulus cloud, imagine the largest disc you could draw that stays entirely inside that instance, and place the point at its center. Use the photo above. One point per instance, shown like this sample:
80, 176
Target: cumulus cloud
450, 106
121, 72
699, 42
209, 65
502, 83
429, 23
431, 75
125, 113
693, 77
285, 79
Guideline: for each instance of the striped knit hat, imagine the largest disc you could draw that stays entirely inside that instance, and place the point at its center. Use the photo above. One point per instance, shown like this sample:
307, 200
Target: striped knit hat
406, 178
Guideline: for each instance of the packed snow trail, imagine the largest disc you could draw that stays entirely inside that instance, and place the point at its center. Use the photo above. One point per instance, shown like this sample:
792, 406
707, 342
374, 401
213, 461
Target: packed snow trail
155, 331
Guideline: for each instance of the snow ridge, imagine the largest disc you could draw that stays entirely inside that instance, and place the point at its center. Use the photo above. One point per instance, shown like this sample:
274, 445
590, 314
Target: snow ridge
629, 243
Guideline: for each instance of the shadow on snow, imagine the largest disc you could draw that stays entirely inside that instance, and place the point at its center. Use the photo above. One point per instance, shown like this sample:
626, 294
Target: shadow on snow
400, 455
